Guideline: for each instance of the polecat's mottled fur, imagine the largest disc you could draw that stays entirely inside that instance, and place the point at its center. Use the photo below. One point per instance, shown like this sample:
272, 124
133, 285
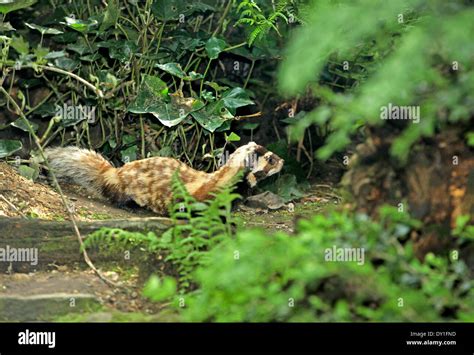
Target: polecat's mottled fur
148, 181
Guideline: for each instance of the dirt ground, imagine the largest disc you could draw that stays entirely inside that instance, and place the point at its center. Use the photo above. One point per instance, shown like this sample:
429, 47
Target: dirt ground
20, 197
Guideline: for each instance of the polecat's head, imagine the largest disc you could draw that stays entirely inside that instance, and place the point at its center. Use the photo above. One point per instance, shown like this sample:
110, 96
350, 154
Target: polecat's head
258, 162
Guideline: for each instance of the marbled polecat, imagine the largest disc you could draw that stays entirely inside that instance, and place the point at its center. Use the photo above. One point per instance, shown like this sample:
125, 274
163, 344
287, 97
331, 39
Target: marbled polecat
148, 181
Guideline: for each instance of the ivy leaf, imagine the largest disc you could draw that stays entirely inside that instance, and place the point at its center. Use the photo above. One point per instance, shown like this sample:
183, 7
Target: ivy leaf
66, 63
176, 70
287, 188
80, 25
111, 15
232, 137
55, 55
20, 123
6, 26
249, 125
166, 10
9, 6
121, 50
152, 93
44, 30
214, 46
81, 47
129, 154
237, 97
20, 45
173, 69
169, 109
40, 53
192, 75
8, 147
216, 86
213, 116
66, 37
28, 172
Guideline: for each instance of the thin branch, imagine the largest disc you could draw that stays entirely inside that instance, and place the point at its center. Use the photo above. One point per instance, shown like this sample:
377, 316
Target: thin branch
56, 185
72, 75
12, 206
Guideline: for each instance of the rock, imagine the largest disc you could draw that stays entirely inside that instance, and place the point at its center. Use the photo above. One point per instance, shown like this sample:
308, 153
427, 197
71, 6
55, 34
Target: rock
18, 308
100, 317
266, 200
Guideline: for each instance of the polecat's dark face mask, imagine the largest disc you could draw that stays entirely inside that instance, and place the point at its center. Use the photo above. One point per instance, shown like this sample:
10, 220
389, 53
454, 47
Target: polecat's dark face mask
262, 164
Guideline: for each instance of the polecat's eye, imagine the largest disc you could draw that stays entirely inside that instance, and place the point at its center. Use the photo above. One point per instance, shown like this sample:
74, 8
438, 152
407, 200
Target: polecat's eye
271, 161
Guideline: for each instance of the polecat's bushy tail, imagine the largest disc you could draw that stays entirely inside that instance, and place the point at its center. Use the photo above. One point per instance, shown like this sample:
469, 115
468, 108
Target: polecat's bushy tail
85, 168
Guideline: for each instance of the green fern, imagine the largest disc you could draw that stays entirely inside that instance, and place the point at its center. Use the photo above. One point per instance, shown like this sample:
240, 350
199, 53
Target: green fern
252, 16
185, 244
208, 223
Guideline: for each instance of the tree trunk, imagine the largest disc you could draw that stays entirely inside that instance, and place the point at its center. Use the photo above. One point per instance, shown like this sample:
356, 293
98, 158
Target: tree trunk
436, 185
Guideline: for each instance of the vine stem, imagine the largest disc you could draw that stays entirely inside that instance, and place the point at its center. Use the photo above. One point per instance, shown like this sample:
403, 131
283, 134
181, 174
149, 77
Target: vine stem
221, 20
204, 77
72, 75
56, 185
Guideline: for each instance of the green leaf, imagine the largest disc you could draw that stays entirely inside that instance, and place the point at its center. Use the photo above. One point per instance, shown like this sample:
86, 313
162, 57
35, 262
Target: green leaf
21, 124
173, 69
121, 50
214, 46
8, 147
55, 54
20, 45
287, 188
81, 25
28, 172
232, 137
213, 116
192, 75
249, 125
158, 290
166, 10
237, 97
111, 16
6, 26
152, 93
470, 139
66, 63
129, 154
82, 47
176, 70
44, 30
40, 53
7, 6
66, 37
216, 86
169, 109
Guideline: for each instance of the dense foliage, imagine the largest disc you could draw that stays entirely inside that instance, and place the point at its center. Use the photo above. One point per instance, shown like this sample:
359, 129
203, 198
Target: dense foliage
377, 52
256, 276
160, 78
186, 79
